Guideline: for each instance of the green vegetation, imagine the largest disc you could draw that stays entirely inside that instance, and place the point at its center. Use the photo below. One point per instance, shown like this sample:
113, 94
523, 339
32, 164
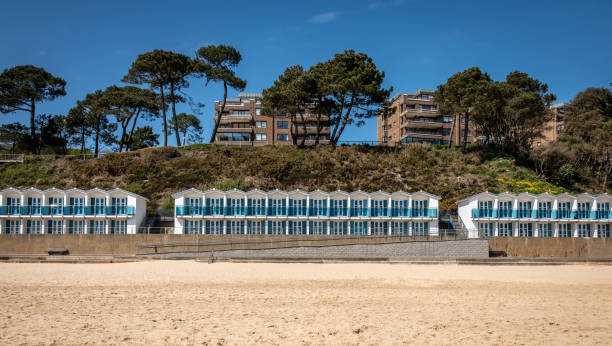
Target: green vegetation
156, 173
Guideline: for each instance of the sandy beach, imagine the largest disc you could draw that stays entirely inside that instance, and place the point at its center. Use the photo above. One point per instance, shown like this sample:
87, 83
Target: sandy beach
187, 302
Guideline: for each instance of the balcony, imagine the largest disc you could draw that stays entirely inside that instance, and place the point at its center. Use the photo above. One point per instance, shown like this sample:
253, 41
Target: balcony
305, 212
540, 214
422, 124
420, 112
68, 210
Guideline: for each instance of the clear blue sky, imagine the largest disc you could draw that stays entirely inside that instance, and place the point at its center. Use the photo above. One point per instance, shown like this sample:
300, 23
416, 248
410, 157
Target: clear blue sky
419, 44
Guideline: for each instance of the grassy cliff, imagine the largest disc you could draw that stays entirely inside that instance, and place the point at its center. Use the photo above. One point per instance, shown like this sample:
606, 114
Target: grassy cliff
158, 172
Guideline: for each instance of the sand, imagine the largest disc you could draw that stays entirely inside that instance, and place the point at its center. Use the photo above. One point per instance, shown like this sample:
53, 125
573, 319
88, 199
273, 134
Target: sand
187, 302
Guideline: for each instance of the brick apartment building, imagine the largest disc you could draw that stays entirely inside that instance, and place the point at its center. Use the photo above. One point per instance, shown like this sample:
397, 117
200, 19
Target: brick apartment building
244, 123
553, 128
416, 119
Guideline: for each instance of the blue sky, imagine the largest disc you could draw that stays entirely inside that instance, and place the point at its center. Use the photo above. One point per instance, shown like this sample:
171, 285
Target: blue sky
418, 44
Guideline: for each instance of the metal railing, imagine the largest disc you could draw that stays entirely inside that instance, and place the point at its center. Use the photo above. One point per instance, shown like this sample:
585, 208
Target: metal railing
67, 210
541, 214
305, 212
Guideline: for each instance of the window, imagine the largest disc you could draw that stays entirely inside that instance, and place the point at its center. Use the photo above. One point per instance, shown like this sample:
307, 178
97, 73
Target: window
297, 207
486, 229
447, 119
119, 205
524, 209
426, 107
261, 124
120, 226
419, 208
603, 231
583, 210
56, 204
565, 230
525, 230
34, 227
256, 206
603, 210
192, 227
420, 228
584, 230
236, 206
235, 227
379, 228
359, 207
564, 210
399, 208
282, 124
98, 204
359, 228
283, 137
297, 227
213, 227
97, 227
485, 208
545, 230
214, 206
236, 112
261, 137
277, 206
77, 205
233, 137
13, 204
446, 131
276, 227
256, 227
76, 227
505, 230
379, 208
425, 97
339, 207
318, 207
12, 227
544, 210
257, 111
504, 208
34, 205
399, 228
55, 226
338, 227
318, 227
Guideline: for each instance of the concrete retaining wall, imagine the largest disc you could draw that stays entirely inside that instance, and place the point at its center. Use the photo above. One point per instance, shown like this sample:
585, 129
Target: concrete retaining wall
552, 247
472, 248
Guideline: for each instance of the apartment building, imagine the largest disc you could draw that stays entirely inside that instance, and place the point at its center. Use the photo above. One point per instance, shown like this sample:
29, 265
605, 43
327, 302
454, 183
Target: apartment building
244, 123
543, 215
74, 211
553, 128
299, 212
416, 119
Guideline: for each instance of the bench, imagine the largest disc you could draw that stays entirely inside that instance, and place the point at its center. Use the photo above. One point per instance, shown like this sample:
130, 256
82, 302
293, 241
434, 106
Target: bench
57, 251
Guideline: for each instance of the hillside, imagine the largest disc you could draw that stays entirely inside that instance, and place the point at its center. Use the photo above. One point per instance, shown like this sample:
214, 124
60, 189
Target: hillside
158, 172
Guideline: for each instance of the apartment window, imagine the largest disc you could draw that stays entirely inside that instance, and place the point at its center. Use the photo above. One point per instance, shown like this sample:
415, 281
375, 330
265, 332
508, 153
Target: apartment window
97, 227
233, 137
12, 227
505, 230
399, 228
603, 231
425, 97
447, 119
318, 227
565, 230
276, 227
446, 132
235, 227
525, 230
583, 210
338, 227
297, 227
257, 111
236, 112
603, 210
584, 230
34, 227
261, 124
261, 137
283, 137
426, 107
564, 210
282, 124
256, 227
486, 229
55, 226
214, 227
379, 228
120, 226
76, 227
359, 227
420, 228
524, 209
545, 230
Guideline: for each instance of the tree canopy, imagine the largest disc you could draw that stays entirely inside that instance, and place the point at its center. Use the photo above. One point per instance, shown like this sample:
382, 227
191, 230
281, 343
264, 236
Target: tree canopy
217, 63
21, 87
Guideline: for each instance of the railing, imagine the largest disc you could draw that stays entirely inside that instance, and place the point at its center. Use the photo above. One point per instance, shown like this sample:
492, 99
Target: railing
297, 212
540, 214
67, 210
